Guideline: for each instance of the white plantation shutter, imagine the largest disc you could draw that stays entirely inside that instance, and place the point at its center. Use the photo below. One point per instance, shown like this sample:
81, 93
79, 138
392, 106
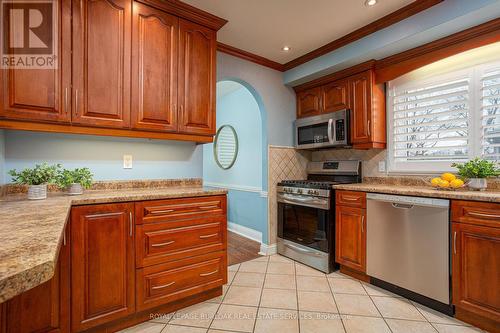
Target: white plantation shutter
436, 120
430, 122
490, 114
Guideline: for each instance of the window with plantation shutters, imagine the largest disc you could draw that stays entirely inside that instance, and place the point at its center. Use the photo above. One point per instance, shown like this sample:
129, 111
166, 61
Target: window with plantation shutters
436, 120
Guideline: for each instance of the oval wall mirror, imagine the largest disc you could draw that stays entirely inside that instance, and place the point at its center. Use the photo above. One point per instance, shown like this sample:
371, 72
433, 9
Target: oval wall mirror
226, 147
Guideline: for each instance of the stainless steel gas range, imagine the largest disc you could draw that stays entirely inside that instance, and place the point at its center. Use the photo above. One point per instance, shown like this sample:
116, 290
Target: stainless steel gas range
306, 213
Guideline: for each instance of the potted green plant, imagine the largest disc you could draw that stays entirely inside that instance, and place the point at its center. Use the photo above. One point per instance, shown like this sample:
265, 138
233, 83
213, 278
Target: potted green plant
476, 171
36, 178
75, 180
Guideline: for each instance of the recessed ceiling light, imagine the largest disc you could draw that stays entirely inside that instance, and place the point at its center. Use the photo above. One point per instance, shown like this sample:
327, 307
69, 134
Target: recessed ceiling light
370, 2
286, 48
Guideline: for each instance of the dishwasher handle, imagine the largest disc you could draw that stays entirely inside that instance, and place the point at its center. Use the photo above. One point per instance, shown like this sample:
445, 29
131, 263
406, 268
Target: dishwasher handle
402, 206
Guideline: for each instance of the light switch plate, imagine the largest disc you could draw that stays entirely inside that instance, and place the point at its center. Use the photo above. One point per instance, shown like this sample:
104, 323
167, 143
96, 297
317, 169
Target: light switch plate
381, 166
127, 161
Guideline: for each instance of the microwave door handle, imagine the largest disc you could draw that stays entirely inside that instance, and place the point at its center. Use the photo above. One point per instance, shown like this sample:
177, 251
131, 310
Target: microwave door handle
330, 131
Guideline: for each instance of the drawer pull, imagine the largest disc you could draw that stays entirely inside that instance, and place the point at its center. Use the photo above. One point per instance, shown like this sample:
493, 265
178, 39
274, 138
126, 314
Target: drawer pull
350, 199
163, 286
492, 216
209, 207
162, 244
208, 274
208, 236
165, 211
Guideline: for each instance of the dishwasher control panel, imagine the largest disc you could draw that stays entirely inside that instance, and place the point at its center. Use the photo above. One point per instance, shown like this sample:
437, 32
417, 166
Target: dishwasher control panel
418, 201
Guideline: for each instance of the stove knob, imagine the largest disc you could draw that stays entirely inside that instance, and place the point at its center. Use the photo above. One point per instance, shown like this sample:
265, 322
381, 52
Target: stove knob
299, 191
316, 192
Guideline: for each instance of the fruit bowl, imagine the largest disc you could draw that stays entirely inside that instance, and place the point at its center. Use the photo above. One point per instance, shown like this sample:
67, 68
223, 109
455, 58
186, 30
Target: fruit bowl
447, 182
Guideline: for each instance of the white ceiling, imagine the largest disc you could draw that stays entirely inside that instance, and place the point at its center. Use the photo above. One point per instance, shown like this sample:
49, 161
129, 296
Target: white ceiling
263, 27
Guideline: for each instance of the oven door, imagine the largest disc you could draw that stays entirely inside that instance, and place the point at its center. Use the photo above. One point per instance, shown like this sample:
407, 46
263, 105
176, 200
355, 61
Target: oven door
306, 225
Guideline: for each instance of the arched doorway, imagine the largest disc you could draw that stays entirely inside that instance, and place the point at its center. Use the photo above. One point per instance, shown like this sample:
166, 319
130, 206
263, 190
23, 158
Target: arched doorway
240, 106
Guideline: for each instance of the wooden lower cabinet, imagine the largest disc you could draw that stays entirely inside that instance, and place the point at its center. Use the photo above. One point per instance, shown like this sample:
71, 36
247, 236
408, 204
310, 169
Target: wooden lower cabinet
44, 308
476, 273
102, 264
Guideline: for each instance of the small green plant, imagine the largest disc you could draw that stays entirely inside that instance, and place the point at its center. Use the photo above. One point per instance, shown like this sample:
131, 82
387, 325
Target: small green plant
81, 176
477, 168
40, 174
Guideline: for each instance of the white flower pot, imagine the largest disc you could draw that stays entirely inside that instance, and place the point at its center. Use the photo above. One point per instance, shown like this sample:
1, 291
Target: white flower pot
75, 189
37, 192
477, 184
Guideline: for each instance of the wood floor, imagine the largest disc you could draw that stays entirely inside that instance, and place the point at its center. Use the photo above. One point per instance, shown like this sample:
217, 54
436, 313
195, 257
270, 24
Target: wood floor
241, 249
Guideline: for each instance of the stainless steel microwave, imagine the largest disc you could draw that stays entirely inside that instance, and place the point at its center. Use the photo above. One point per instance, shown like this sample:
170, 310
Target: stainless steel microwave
327, 130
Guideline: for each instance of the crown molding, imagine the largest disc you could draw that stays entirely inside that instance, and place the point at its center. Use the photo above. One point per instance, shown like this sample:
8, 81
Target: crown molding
390, 19
224, 48
188, 12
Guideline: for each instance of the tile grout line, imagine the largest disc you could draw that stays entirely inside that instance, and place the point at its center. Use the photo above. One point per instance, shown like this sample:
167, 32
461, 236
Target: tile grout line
427, 320
336, 305
376, 307
261, 292
296, 293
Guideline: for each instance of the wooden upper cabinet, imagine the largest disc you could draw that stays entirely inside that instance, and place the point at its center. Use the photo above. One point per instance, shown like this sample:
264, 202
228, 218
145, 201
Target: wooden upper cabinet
476, 271
101, 62
367, 105
154, 69
197, 61
309, 102
102, 264
41, 94
44, 308
335, 96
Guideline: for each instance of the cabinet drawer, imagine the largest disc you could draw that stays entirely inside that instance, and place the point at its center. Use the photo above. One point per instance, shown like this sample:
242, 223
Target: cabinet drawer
161, 242
351, 198
178, 209
480, 213
165, 283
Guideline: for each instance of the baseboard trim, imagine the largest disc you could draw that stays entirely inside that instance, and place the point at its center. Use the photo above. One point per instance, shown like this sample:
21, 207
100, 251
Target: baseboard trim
267, 250
245, 231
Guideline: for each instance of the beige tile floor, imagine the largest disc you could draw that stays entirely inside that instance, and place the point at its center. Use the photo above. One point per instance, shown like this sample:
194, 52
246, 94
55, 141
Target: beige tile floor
274, 294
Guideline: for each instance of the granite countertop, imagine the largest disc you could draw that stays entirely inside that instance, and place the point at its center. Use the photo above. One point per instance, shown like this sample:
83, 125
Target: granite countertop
423, 191
31, 232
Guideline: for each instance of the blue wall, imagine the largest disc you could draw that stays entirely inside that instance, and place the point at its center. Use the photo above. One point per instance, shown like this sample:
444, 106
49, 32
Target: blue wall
246, 206
240, 110
152, 159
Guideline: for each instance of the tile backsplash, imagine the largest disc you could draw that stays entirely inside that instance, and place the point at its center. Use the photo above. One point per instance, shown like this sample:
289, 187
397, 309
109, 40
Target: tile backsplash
370, 158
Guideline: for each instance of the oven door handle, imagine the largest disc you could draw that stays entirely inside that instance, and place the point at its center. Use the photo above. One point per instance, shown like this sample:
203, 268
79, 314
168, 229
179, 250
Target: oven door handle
298, 249
330, 130
310, 202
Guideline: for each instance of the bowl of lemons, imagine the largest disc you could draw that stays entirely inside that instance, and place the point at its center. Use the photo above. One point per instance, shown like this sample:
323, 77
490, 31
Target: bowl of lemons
447, 181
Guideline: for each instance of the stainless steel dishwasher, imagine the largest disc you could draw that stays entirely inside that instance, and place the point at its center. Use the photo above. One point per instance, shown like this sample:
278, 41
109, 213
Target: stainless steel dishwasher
408, 243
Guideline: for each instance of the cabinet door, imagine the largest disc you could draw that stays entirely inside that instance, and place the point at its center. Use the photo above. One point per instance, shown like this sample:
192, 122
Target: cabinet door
101, 62
154, 69
197, 47
335, 96
350, 237
476, 269
102, 264
44, 308
41, 94
361, 107
309, 102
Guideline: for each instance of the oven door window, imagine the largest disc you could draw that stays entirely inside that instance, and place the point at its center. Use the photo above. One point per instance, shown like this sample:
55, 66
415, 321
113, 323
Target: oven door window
304, 225
311, 134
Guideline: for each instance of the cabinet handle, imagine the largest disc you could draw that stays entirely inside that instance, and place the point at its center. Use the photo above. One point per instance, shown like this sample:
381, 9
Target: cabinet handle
130, 221
209, 207
162, 211
76, 102
64, 237
350, 199
493, 216
455, 242
163, 286
66, 100
208, 274
162, 244
208, 236
362, 223
369, 129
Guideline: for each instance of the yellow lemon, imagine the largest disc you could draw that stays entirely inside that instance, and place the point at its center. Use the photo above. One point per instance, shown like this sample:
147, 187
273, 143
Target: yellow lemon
456, 183
448, 176
435, 181
444, 183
